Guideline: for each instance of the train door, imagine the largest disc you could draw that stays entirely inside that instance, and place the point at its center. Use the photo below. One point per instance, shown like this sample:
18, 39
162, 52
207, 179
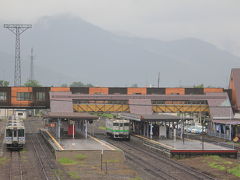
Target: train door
15, 135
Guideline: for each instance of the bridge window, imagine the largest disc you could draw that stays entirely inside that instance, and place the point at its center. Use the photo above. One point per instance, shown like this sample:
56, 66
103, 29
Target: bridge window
3, 96
40, 96
24, 96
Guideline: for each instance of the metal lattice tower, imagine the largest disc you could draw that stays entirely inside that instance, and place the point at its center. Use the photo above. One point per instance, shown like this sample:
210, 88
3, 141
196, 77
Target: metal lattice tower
17, 29
31, 77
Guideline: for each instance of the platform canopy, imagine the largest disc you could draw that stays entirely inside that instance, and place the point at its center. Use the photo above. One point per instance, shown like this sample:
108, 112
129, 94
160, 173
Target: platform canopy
71, 115
152, 117
228, 122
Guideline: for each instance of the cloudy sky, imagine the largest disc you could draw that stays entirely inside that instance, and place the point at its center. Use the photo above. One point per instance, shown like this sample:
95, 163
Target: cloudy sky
215, 21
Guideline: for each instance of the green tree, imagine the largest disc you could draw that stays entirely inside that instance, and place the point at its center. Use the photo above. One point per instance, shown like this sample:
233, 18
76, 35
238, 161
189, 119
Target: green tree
4, 83
64, 85
80, 84
134, 85
199, 86
32, 83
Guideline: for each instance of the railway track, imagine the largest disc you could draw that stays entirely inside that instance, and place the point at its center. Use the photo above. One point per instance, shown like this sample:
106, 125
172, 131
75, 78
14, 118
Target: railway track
41, 151
15, 167
155, 164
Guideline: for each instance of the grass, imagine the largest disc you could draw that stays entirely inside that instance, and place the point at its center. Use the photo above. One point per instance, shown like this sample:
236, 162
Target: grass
216, 166
66, 161
106, 115
81, 156
2, 160
215, 157
136, 178
73, 175
219, 163
112, 161
235, 171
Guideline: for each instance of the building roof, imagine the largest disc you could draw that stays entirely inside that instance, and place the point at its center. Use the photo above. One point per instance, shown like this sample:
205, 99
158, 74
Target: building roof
227, 121
151, 117
71, 115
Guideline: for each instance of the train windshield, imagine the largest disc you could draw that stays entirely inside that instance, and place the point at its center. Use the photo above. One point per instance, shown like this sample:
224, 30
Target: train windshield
115, 124
8, 133
21, 133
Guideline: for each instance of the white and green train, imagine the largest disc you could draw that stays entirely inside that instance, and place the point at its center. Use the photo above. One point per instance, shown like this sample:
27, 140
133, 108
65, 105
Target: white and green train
118, 128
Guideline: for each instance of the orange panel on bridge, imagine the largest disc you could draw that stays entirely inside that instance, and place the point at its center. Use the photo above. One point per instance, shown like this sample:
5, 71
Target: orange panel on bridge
14, 91
98, 90
180, 91
137, 91
60, 89
213, 90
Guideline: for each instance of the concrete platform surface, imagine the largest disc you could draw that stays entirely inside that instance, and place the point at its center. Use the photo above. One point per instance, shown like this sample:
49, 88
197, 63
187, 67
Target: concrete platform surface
86, 144
190, 145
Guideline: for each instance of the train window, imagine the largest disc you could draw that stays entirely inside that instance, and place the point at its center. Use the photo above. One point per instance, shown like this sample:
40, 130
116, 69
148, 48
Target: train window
9, 133
3, 96
21, 133
24, 96
126, 124
115, 124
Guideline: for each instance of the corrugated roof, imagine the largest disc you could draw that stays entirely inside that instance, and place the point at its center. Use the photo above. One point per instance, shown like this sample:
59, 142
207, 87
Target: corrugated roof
151, 117
71, 115
232, 122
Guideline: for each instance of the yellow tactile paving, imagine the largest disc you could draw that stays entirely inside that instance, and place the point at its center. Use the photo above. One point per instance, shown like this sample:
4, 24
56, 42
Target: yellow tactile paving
55, 141
104, 144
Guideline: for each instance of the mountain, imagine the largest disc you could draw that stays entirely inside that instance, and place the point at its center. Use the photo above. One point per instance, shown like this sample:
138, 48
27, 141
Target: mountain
71, 49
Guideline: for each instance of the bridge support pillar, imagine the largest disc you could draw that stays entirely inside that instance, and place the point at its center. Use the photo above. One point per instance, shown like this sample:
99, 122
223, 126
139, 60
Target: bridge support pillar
85, 128
59, 128
151, 130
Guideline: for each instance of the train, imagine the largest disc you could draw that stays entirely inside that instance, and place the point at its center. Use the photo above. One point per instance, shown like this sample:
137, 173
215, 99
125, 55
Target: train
118, 129
14, 136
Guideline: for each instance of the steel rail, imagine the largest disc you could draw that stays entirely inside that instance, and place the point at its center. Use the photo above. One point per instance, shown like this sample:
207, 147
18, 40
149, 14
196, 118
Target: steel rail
44, 153
39, 159
157, 172
173, 163
13, 161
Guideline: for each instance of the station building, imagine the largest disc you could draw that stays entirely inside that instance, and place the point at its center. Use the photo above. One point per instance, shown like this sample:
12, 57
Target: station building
219, 108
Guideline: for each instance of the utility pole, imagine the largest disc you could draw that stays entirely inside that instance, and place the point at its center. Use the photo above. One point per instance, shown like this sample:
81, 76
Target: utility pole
31, 77
17, 29
158, 79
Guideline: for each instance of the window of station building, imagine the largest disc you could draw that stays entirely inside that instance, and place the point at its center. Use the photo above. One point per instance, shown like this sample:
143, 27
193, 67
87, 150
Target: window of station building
3, 96
40, 96
24, 96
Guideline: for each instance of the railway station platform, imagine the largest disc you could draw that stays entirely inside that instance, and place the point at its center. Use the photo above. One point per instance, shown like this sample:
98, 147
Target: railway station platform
91, 143
188, 147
